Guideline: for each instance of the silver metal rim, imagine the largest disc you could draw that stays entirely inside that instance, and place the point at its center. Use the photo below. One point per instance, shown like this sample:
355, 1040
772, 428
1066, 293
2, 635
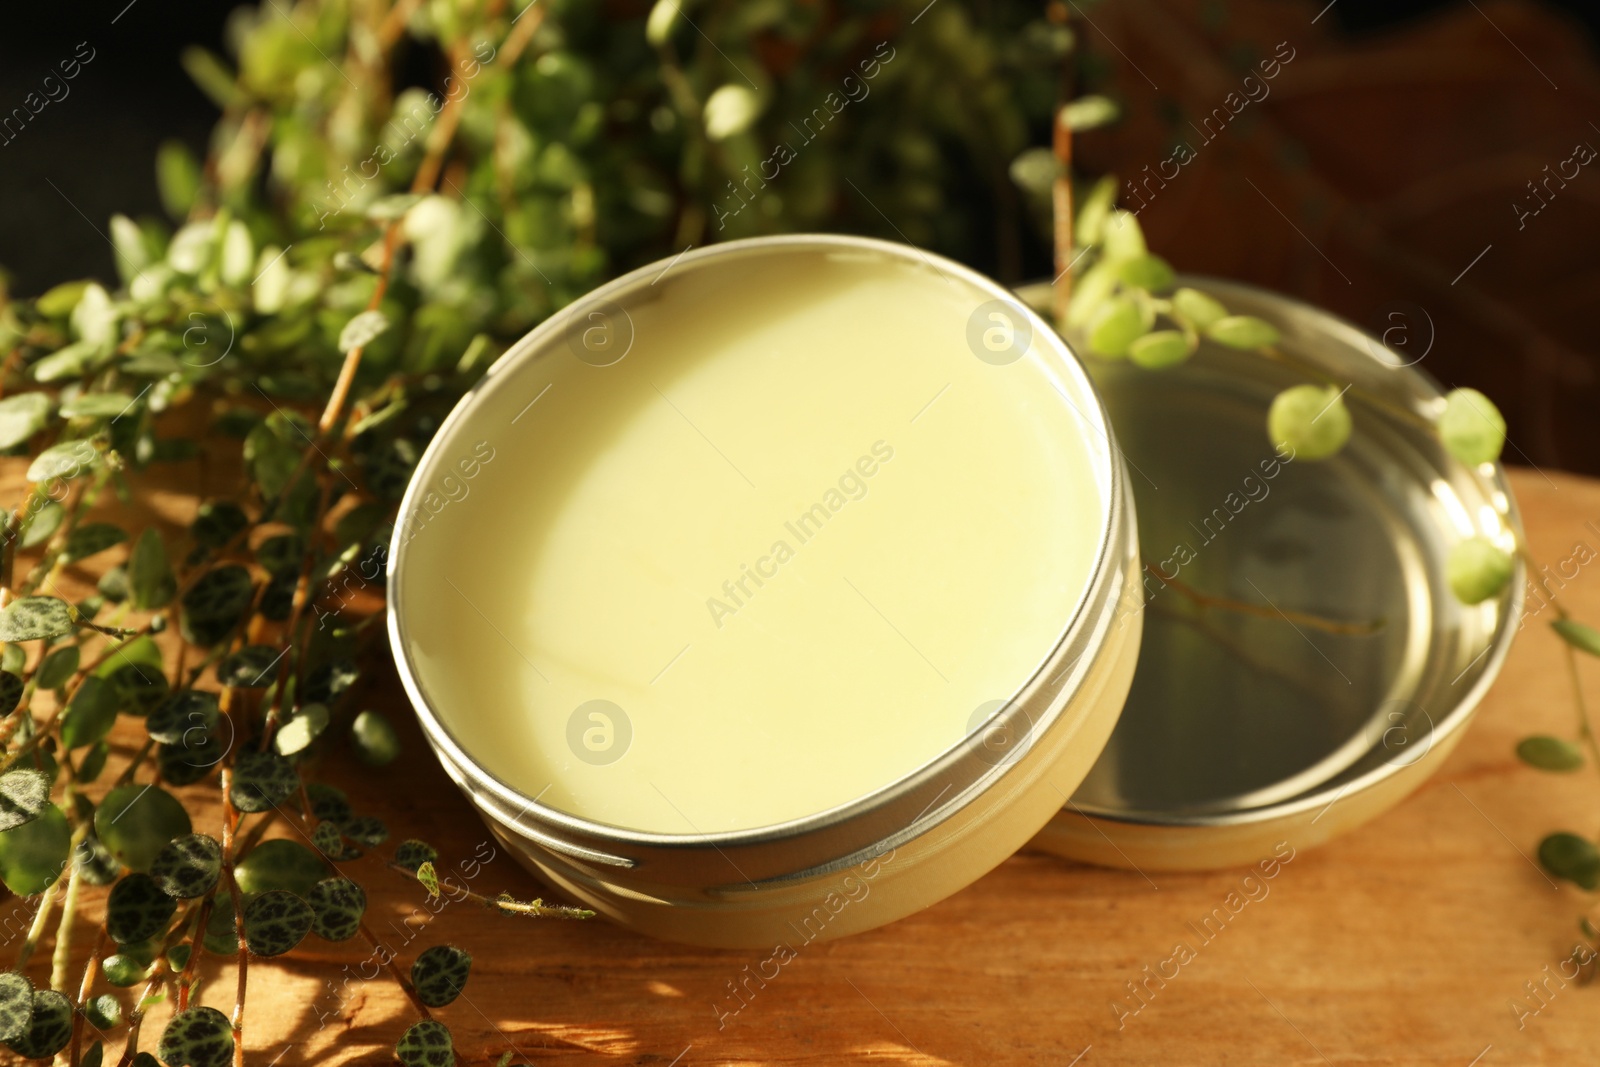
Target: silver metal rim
960, 766
1460, 713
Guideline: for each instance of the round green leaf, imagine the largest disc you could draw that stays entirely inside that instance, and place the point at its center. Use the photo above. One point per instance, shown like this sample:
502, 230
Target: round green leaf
327, 840
412, 854
362, 330
10, 691
1035, 171
440, 973
181, 765
177, 178
49, 1029
16, 1006
1581, 636
221, 934
367, 830
94, 319
1161, 349
1094, 209
1121, 237
277, 600
1088, 113
58, 301
197, 752
392, 207
191, 709
1197, 309
281, 556
58, 668
123, 970
33, 855
1571, 857
663, 17
188, 866
1243, 331
1147, 272
44, 522
337, 905
730, 110
262, 780
150, 581
252, 667
137, 909
140, 687
1308, 421
21, 417
1090, 294
91, 539
281, 863
1118, 325
199, 1037
276, 922
93, 762
374, 740
215, 604
217, 523
24, 796
96, 864
97, 406
297, 734
31, 618
1549, 753
69, 459
90, 713
272, 452
103, 1012
1477, 569
426, 1044
328, 802
326, 682
135, 822
1472, 428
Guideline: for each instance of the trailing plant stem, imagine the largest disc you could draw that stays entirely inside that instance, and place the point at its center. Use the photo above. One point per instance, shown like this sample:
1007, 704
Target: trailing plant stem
47, 903
85, 987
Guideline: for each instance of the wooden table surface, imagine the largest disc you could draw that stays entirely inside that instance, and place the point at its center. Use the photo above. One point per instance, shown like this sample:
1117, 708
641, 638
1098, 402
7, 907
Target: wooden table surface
1409, 941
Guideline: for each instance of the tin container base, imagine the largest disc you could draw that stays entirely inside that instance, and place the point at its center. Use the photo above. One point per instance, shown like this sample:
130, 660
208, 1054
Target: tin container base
884, 883
827, 796
1304, 665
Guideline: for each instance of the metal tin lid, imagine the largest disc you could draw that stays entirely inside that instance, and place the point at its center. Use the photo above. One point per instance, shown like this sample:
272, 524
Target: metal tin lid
602, 428
1354, 670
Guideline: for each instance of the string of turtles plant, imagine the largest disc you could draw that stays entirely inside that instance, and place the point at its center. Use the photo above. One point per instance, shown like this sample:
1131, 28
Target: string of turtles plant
354, 249
349, 256
1119, 301
239, 597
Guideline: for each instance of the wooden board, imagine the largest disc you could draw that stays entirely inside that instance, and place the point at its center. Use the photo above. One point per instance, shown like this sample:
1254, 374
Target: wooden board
1407, 942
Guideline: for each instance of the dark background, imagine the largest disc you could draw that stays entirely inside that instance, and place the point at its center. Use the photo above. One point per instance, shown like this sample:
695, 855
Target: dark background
1395, 144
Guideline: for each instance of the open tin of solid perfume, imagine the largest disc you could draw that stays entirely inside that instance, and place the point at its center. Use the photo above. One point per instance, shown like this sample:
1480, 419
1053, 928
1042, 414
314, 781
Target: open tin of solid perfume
777, 591
1246, 728
773, 592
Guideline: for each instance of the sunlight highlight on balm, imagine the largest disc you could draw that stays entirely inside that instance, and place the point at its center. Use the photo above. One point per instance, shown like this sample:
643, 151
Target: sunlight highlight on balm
756, 545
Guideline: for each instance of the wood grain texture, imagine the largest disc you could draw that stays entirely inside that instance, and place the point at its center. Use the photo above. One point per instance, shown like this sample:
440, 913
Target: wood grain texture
1406, 942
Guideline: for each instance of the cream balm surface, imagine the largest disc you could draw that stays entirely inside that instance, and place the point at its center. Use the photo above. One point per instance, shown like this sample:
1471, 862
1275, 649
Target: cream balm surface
754, 541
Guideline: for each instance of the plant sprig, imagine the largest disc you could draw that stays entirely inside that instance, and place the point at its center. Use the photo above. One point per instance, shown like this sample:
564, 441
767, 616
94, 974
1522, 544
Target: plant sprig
1117, 300
347, 260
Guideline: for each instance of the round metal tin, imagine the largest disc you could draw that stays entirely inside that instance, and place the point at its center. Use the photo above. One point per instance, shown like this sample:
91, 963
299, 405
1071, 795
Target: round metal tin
1245, 728
893, 852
